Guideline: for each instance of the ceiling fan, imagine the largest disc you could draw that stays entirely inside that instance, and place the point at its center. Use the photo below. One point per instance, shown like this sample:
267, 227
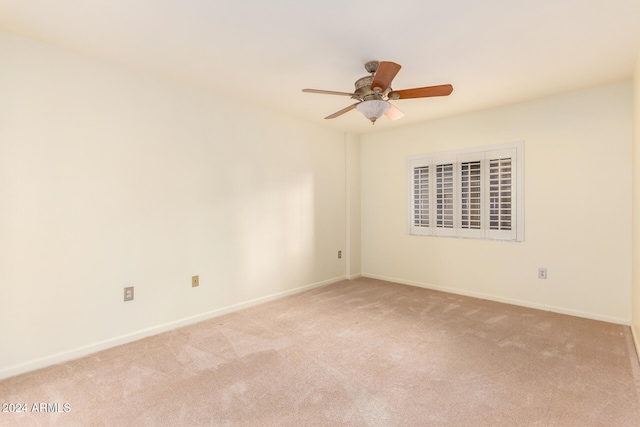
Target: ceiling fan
374, 92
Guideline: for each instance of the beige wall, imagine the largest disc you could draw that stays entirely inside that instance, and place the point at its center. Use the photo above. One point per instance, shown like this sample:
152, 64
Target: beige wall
577, 206
635, 324
111, 178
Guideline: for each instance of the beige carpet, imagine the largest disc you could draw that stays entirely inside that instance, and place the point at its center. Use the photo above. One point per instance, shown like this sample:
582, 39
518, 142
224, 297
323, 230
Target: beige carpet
357, 353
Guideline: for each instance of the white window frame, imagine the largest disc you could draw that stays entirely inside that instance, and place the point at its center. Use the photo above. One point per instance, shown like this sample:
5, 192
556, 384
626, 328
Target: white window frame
439, 186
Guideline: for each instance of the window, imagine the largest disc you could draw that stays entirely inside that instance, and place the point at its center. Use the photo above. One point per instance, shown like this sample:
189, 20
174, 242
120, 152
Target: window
475, 193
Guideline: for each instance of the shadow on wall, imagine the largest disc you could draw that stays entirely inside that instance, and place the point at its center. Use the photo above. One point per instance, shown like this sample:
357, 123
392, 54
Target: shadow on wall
275, 233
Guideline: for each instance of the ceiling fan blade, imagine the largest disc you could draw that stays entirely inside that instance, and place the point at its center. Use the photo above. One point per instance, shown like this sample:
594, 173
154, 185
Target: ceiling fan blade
384, 75
341, 112
422, 92
328, 92
394, 113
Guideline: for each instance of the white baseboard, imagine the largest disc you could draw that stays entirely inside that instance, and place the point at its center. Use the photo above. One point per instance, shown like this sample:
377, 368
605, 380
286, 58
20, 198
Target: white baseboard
124, 339
545, 307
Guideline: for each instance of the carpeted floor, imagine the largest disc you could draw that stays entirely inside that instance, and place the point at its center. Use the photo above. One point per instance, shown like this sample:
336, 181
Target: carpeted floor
357, 353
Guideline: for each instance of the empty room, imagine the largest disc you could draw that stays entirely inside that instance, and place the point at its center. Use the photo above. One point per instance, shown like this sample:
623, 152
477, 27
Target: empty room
359, 213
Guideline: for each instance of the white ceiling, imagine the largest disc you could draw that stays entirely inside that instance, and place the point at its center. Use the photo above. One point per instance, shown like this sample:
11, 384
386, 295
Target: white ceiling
494, 52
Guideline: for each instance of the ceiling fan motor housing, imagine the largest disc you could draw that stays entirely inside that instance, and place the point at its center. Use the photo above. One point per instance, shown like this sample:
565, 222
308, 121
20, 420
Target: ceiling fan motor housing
364, 91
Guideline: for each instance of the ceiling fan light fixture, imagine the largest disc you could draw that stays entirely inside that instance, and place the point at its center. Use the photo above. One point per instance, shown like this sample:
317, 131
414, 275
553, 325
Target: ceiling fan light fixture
373, 109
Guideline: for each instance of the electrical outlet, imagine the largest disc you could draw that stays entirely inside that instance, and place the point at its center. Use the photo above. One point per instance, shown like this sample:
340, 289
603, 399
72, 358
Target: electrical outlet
195, 281
542, 273
128, 293
339, 254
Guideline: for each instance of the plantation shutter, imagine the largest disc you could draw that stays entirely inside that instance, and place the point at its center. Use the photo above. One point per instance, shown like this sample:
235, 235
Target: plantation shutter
469, 193
421, 196
445, 201
500, 194
501, 186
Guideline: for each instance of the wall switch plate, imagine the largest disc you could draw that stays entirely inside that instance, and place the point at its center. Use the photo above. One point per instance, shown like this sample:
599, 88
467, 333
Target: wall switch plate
542, 273
195, 281
128, 293
339, 254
